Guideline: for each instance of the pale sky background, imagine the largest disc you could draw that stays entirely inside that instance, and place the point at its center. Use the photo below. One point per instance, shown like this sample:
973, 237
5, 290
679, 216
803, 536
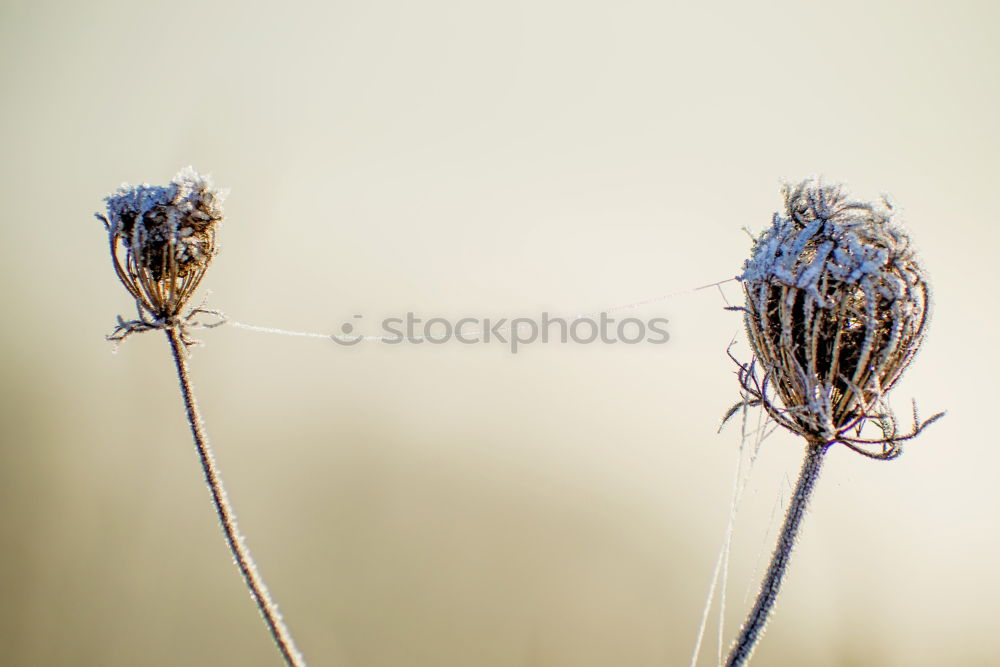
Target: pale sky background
457, 506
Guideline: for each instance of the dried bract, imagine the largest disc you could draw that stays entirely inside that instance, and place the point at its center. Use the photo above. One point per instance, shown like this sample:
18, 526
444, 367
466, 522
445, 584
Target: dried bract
836, 308
162, 240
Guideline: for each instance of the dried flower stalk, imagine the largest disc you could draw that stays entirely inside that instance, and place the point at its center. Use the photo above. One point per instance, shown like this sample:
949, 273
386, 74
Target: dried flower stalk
162, 241
836, 308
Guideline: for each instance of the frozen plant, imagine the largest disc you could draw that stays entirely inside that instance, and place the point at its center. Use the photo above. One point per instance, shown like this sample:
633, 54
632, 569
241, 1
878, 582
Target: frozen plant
162, 241
836, 308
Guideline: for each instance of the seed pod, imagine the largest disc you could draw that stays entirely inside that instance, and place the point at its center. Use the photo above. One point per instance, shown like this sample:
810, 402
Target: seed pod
163, 239
836, 307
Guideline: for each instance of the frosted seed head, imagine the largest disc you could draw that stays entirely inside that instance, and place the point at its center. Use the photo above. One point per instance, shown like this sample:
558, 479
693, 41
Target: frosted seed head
163, 239
836, 306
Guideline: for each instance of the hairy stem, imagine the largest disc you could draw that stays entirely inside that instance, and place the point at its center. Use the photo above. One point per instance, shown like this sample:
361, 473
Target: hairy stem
754, 626
227, 517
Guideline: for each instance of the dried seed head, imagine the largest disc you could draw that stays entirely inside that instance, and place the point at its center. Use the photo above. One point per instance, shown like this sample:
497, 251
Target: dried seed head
163, 239
836, 306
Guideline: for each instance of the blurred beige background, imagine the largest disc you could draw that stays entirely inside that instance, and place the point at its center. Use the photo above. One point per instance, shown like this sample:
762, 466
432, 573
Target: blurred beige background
457, 506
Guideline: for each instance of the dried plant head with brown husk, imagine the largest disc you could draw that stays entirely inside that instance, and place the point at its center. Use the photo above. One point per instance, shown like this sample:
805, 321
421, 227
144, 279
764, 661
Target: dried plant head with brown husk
836, 308
162, 241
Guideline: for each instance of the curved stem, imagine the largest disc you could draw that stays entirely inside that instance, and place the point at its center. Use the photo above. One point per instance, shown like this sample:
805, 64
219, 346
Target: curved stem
227, 517
754, 626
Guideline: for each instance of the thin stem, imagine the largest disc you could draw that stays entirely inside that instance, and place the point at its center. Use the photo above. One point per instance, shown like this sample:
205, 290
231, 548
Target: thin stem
754, 626
268, 609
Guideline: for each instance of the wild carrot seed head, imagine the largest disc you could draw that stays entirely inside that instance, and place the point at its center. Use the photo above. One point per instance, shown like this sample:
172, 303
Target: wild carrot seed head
163, 238
836, 307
